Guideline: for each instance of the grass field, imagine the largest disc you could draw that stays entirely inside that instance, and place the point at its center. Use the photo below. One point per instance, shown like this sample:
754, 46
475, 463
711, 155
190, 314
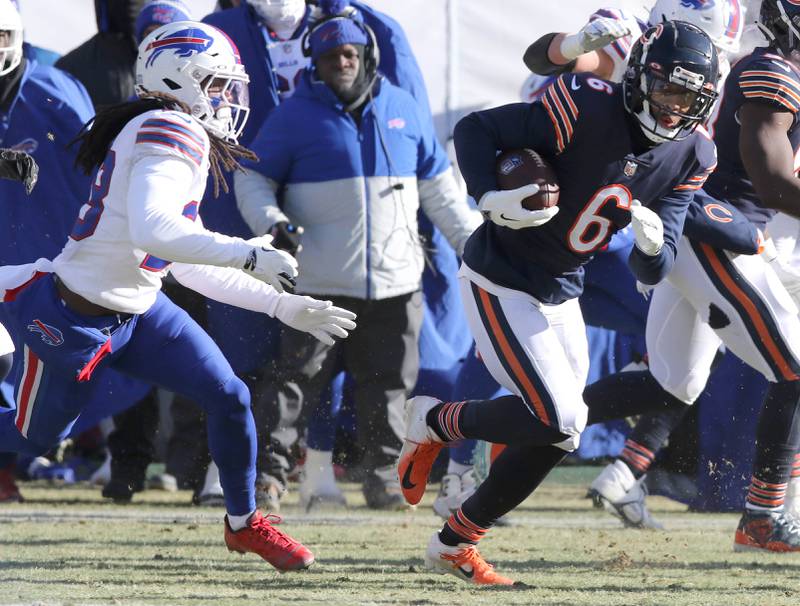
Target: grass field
67, 546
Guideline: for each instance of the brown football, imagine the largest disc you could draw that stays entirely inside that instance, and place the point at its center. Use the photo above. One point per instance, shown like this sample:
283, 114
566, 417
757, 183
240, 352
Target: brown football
520, 167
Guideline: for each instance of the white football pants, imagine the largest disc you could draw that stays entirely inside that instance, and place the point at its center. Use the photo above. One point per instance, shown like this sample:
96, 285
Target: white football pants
538, 352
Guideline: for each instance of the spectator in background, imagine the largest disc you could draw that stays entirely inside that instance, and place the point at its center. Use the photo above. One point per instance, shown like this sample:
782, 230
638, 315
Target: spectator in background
258, 27
41, 110
361, 246
104, 63
156, 13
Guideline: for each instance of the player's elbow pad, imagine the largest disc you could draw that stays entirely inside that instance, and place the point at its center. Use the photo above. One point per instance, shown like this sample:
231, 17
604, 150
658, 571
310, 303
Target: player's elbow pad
538, 61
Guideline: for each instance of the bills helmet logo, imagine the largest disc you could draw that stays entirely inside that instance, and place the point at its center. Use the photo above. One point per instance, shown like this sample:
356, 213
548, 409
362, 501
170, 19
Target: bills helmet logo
49, 334
700, 5
184, 43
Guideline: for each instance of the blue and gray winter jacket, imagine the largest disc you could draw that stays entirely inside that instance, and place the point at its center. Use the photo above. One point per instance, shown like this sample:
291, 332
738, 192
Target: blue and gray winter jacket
355, 189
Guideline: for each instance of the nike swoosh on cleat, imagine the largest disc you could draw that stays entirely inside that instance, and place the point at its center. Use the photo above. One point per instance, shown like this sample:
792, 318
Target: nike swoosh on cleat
406, 482
467, 573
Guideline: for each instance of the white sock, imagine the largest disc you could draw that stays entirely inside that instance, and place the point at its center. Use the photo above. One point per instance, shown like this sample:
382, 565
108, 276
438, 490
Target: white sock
239, 522
457, 468
212, 485
319, 467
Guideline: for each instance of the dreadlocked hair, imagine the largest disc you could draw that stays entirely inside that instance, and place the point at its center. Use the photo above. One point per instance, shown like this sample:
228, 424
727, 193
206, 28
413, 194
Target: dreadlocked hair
98, 134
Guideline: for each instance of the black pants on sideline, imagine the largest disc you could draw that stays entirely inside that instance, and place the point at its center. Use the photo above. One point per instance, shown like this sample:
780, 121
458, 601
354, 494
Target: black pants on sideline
382, 357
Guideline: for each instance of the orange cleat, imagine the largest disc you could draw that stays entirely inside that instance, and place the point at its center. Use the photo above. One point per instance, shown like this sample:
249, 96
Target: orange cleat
421, 446
769, 531
275, 546
463, 562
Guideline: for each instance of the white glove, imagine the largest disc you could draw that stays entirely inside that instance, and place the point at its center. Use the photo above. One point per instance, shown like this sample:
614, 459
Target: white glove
275, 267
594, 35
787, 274
648, 230
320, 319
505, 208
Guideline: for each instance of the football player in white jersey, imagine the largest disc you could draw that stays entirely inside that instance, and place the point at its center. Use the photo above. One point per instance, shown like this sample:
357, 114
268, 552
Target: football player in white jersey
98, 303
603, 45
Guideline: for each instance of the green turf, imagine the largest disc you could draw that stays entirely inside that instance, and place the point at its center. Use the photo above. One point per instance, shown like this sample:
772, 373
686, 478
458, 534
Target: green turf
67, 546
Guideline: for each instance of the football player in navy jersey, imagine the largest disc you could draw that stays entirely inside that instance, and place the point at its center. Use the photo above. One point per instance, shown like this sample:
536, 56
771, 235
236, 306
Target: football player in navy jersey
624, 154
713, 296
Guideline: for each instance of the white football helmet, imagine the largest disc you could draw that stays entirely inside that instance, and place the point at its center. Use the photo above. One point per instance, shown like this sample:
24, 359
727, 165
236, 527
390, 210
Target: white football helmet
722, 20
199, 65
10, 37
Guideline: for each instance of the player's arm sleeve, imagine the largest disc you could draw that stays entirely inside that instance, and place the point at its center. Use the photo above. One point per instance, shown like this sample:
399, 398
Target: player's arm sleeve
156, 197
481, 135
537, 58
228, 285
672, 211
439, 194
720, 225
257, 201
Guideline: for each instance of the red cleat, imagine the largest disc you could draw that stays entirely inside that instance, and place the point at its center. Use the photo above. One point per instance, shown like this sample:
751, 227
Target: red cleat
262, 538
9, 493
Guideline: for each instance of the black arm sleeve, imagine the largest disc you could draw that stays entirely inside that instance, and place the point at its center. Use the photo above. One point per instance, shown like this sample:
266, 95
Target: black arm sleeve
538, 61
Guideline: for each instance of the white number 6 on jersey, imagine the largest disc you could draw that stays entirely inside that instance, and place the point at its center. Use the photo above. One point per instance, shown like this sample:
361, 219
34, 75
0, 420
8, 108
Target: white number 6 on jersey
590, 229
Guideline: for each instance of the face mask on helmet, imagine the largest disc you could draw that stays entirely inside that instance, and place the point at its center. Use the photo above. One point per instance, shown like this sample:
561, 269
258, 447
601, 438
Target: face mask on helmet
779, 20
670, 85
722, 20
10, 37
199, 65
280, 14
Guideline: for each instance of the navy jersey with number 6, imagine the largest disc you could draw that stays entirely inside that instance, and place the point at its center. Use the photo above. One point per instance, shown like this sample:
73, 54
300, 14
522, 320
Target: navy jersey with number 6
581, 127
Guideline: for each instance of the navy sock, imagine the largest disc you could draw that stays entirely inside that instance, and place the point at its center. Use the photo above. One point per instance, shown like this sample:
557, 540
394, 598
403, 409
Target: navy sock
777, 441
625, 394
647, 437
514, 475
504, 420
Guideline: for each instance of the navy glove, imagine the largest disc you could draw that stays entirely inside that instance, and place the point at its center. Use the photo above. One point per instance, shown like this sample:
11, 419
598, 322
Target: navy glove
286, 236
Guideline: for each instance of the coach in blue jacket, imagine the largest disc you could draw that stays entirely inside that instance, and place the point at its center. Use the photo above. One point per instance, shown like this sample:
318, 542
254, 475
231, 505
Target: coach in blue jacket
351, 158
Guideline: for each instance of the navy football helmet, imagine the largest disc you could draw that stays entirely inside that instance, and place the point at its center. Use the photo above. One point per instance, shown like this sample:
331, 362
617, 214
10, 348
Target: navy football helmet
779, 20
671, 82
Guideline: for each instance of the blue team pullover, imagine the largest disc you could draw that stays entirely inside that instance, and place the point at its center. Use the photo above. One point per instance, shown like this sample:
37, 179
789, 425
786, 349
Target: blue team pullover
48, 111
